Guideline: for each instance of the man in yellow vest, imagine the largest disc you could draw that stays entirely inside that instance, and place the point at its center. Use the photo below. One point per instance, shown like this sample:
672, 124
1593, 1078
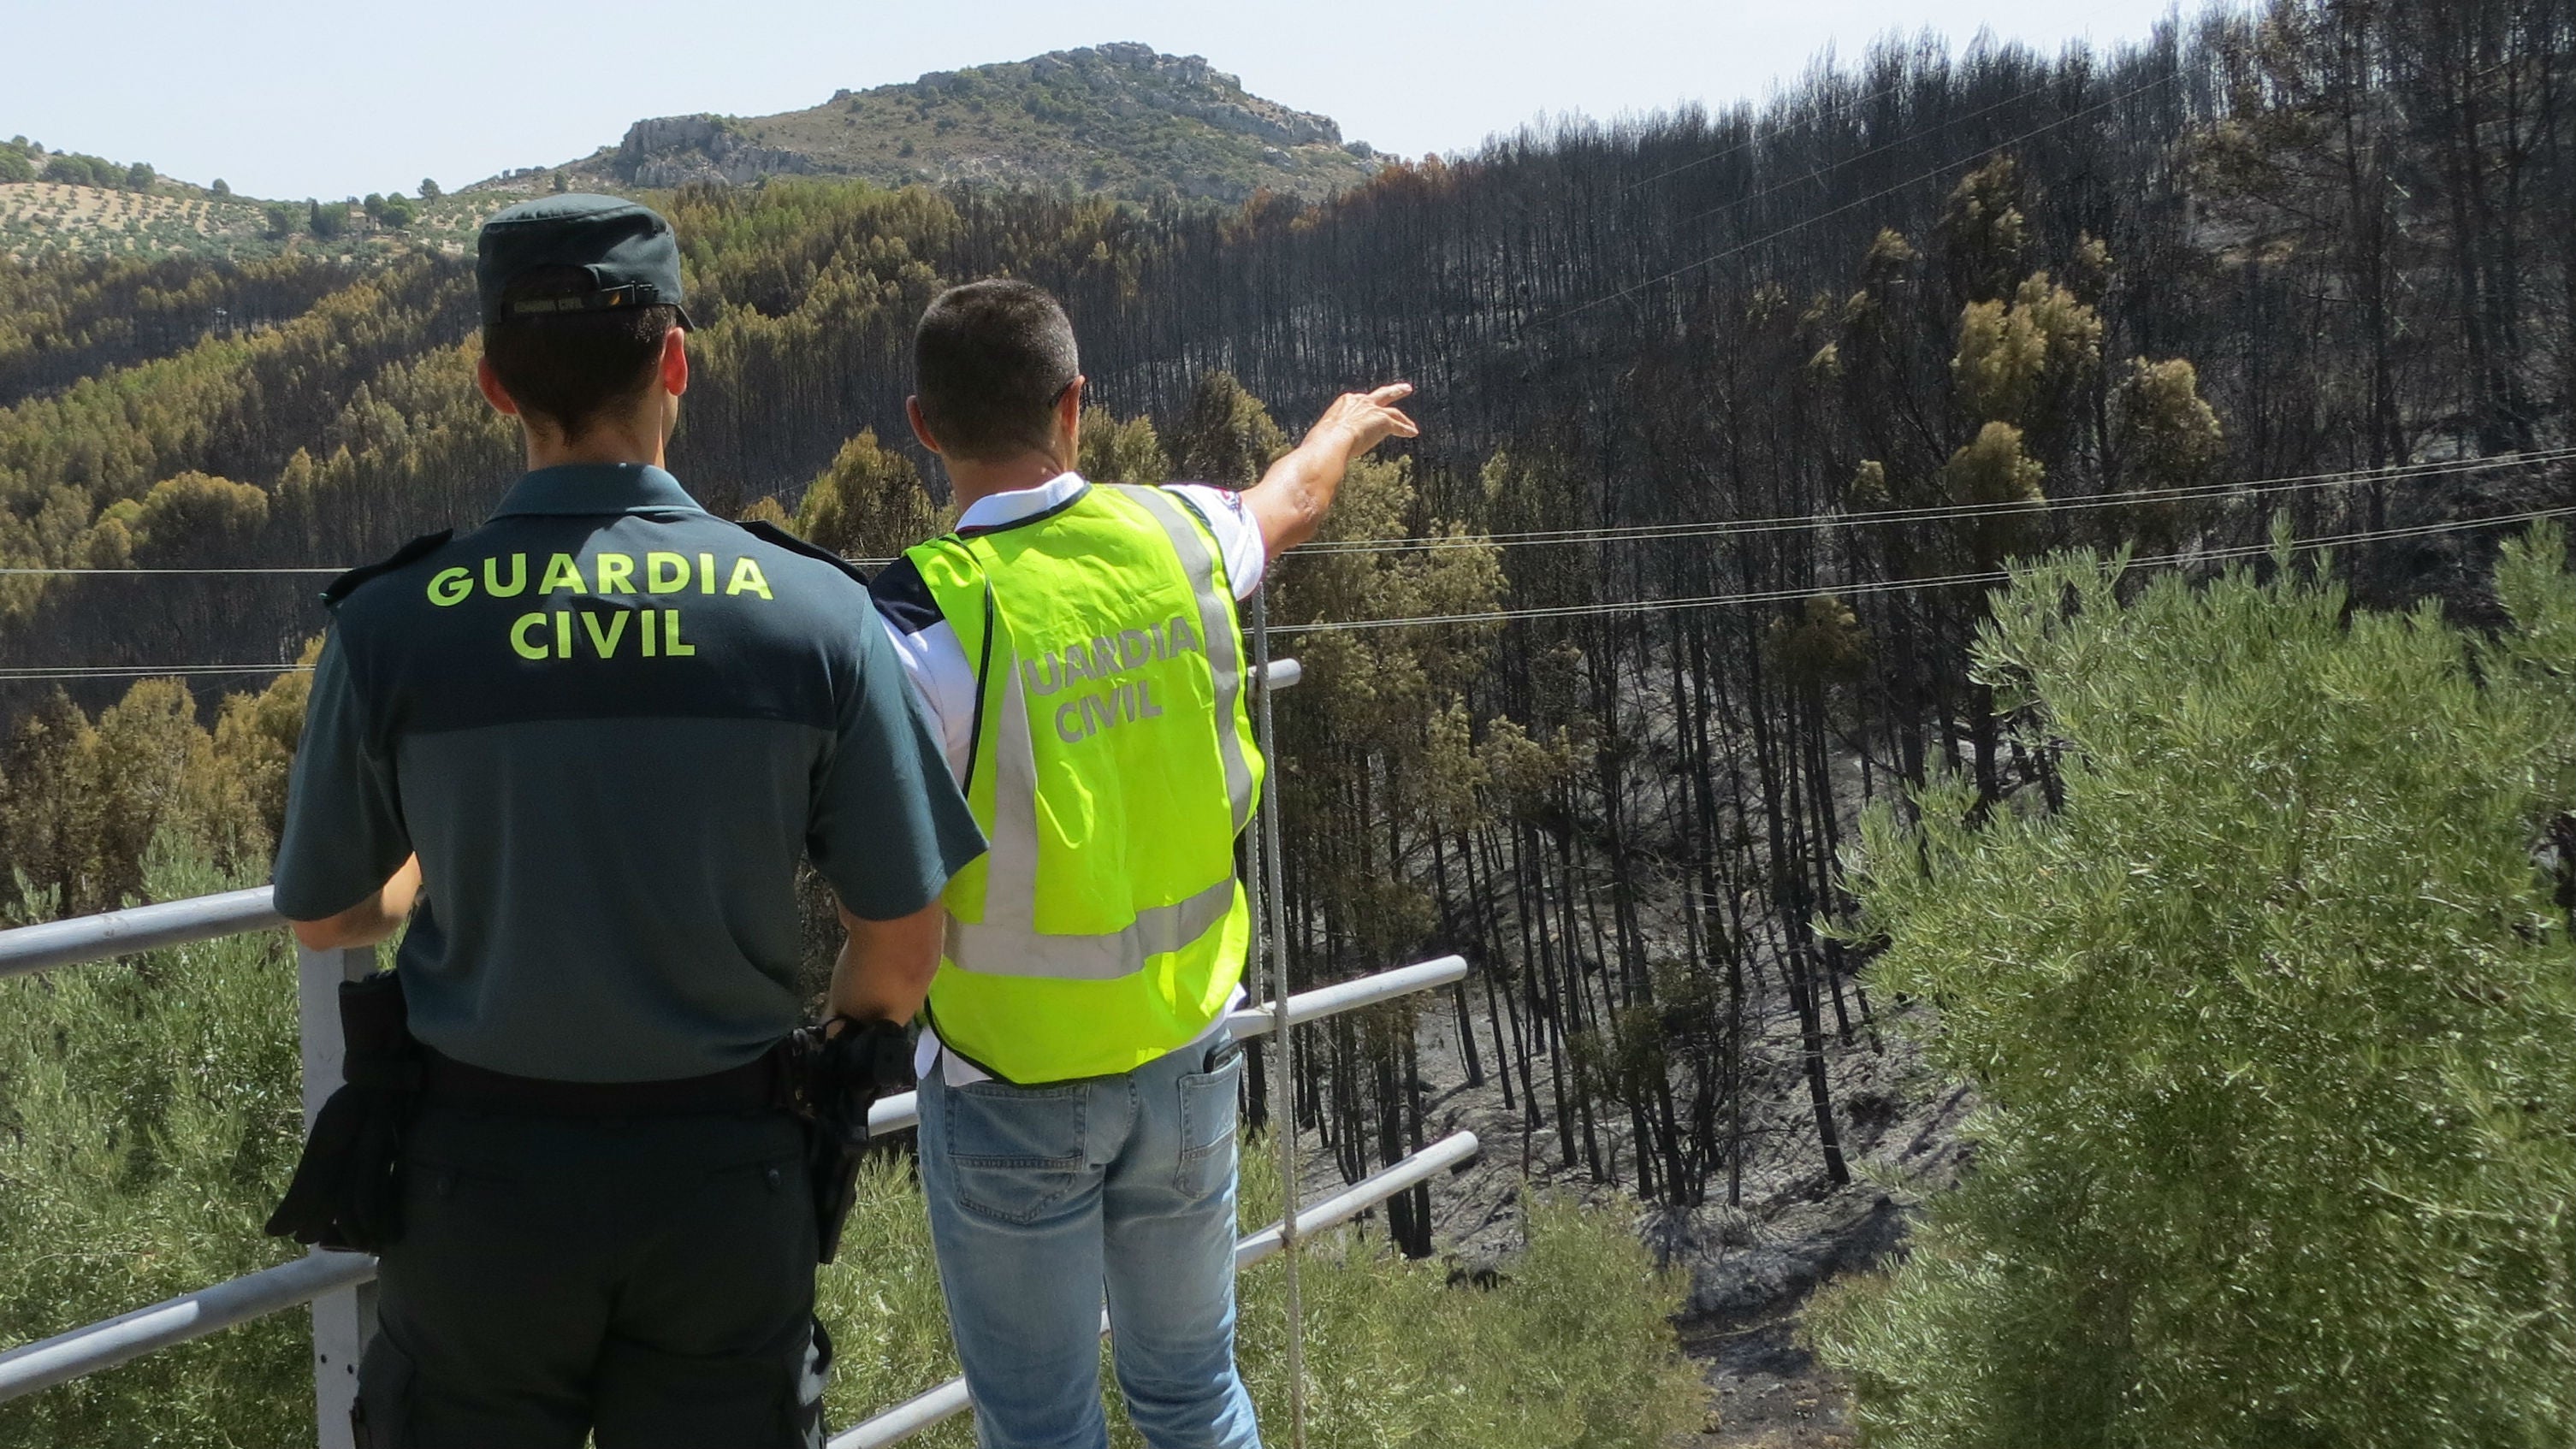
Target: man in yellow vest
1076, 645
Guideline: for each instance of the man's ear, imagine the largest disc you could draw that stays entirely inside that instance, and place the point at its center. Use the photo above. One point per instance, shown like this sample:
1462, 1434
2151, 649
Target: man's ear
1068, 413
920, 424
489, 383
674, 366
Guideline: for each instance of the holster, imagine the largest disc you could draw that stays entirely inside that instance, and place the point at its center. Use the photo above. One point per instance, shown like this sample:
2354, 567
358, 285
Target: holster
832, 1081
344, 1193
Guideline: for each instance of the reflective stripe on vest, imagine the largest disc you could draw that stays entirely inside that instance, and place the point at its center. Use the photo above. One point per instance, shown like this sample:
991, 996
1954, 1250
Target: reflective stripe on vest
997, 949
1216, 626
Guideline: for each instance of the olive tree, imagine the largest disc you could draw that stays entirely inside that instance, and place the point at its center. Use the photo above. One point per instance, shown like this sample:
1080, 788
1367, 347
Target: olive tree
2274, 1023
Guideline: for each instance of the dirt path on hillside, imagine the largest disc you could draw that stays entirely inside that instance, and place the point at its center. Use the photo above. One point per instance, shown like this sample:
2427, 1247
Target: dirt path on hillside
1765, 1392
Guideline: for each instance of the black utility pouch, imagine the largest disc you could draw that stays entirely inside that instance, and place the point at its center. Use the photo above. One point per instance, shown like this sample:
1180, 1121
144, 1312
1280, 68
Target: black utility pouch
344, 1194
832, 1082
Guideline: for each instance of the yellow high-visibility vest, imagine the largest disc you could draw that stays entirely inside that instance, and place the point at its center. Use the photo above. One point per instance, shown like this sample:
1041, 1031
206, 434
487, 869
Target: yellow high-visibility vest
1114, 764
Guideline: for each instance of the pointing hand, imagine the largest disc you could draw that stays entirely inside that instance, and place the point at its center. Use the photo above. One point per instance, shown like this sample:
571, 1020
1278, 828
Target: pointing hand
1292, 497
1359, 421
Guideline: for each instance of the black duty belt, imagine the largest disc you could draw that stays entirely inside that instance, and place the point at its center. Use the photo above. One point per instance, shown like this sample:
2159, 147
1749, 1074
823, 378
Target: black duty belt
750, 1087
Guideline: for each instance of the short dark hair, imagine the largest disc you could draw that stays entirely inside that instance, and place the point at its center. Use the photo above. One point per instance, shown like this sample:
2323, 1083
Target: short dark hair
571, 367
990, 359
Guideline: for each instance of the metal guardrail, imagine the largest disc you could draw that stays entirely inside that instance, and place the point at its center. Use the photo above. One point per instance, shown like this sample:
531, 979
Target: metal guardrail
1343, 996
920, 1412
899, 1112
341, 1286
68, 1356
137, 928
40, 1365
338, 1285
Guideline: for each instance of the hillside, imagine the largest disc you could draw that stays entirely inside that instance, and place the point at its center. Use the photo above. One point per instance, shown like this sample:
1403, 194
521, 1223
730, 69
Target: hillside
64, 204
59, 206
41, 216
43, 220
1121, 120
1723, 416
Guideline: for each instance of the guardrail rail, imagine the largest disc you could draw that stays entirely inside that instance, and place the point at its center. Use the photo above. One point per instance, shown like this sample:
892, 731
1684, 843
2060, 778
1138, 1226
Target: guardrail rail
340, 1286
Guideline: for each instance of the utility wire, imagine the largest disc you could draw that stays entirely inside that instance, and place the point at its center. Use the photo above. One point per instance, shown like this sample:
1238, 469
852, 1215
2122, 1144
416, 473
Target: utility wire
1820, 172
1776, 133
1854, 205
1657, 532
1901, 586
278, 572
149, 573
118, 671
41, 673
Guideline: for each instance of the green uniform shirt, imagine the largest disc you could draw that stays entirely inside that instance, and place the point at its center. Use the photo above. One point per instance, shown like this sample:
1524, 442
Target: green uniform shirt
609, 723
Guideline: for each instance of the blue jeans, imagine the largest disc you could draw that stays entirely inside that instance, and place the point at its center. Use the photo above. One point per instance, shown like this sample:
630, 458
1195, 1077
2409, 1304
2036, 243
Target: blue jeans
1044, 1198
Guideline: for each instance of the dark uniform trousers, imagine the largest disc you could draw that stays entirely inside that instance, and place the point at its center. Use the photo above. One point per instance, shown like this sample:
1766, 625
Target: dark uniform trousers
648, 1280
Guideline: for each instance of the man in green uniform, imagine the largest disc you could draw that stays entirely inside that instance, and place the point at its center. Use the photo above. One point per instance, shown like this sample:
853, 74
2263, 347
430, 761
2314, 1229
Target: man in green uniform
1077, 644
580, 749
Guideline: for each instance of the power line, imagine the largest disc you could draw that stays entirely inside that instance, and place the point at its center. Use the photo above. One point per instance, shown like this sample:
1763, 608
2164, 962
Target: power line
1750, 142
1927, 513
1879, 195
1900, 586
68, 673
280, 571
1881, 149
41, 673
1722, 528
150, 573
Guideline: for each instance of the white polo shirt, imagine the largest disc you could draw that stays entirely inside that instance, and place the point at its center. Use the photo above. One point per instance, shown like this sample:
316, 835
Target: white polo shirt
944, 678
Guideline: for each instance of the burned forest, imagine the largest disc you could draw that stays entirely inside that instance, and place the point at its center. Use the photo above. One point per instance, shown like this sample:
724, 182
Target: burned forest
1731, 420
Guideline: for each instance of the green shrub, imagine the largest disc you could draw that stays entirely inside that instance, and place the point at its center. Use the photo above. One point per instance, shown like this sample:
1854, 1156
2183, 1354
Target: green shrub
78, 170
1574, 1348
2275, 1027
149, 1116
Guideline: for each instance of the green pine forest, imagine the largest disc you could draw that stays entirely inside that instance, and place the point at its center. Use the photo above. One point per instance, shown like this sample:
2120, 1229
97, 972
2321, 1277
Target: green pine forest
2226, 855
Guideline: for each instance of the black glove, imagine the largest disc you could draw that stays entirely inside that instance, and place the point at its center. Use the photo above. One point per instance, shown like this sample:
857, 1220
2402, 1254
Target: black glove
344, 1194
833, 1079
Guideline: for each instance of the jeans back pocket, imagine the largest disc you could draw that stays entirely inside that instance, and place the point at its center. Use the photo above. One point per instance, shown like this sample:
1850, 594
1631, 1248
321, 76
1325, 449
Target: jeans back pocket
1207, 1130
1015, 1152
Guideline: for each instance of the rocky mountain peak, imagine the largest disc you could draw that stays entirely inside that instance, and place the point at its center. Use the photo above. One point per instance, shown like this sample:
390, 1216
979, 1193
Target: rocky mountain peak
1121, 118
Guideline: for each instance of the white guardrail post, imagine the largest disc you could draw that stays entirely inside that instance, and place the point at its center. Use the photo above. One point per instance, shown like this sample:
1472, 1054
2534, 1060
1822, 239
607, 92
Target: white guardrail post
345, 1317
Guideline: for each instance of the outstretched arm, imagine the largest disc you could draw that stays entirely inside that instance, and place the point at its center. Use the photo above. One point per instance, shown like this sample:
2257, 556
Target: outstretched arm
1292, 498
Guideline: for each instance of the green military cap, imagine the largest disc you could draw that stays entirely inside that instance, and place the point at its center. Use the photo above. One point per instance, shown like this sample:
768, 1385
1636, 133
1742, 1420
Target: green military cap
629, 251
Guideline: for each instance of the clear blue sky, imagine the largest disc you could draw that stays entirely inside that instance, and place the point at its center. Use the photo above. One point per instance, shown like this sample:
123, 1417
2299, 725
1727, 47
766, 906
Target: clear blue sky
296, 98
